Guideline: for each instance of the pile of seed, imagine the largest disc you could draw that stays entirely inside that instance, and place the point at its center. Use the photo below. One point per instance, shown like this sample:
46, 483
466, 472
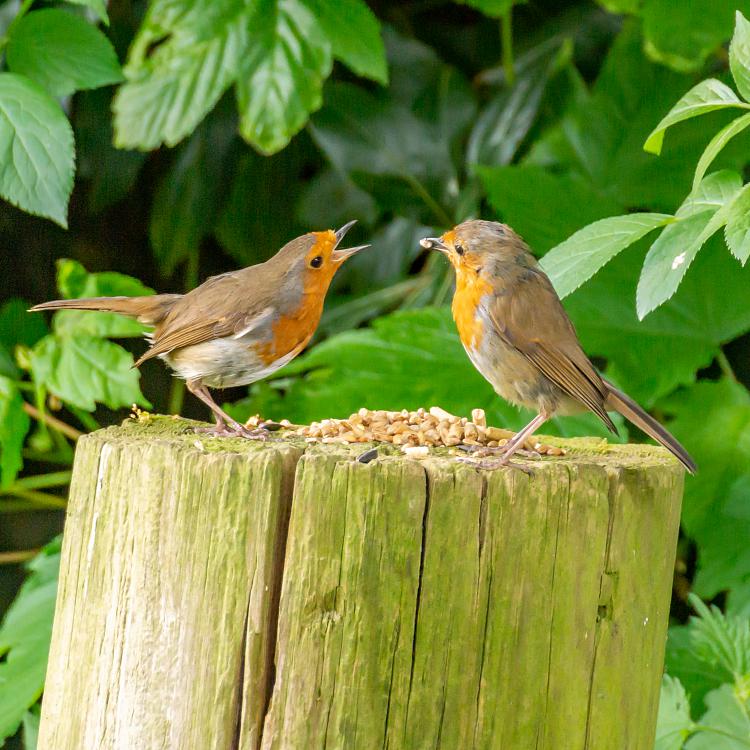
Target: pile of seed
422, 428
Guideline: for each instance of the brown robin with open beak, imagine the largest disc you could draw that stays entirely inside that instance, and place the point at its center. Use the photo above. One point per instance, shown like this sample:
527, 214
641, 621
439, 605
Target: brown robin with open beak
517, 334
239, 327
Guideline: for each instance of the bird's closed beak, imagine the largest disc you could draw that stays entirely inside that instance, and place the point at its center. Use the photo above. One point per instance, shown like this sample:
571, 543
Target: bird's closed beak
434, 243
340, 255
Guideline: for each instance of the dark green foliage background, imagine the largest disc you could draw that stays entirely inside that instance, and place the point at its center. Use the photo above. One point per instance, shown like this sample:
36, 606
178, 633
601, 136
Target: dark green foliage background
547, 136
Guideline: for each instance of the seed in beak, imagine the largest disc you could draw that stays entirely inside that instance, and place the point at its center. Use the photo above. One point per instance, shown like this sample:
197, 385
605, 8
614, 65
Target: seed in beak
434, 243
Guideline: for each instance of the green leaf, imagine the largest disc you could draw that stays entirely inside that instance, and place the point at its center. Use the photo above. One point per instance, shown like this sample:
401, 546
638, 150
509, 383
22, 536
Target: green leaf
24, 638
30, 725
36, 149
507, 118
726, 724
98, 6
650, 358
705, 97
620, 6
737, 230
183, 58
14, 424
578, 258
739, 55
74, 281
61, 52
83, 370
544, 208
354, 33
282, 73
673, 724
670, 257
188, 196
701, 413
331, 197
683, 35
406, 360
716, 144
716, 190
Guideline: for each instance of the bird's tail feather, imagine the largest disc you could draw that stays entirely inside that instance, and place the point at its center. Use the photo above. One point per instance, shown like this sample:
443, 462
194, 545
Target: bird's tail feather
622, 403
151, 309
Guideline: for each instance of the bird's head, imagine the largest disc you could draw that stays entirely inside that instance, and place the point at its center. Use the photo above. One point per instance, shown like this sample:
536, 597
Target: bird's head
480, 247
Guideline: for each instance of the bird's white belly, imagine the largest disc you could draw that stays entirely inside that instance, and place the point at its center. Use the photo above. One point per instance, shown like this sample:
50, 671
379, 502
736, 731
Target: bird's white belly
223, 363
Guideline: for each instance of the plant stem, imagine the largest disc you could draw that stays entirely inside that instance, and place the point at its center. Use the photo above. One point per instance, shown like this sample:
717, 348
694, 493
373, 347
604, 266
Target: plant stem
726, 366
40, 499
54, 422
506, 33
440, 213
176, 396
19, 556
40, 481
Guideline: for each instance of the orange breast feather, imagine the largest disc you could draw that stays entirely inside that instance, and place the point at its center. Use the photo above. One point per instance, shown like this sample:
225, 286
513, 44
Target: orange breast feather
470, 288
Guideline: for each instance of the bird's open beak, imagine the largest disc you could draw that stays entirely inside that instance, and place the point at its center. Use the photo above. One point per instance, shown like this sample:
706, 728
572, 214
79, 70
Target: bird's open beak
340, 255
434, 243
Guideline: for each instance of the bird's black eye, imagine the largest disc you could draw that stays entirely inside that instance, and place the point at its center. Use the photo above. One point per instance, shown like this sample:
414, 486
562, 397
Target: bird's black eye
317, 261
459, 249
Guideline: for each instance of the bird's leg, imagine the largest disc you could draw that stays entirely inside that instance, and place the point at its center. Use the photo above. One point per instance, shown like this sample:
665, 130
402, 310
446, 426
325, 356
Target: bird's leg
511, 446
222, 418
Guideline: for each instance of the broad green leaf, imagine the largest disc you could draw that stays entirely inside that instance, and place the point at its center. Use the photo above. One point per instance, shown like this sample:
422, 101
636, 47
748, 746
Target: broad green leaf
673, 724
737, 230
683, 35
671, 255
188, 196
83, 370
705, 97
406, 360
544, 208
716, 190
36, 149
354, 34
62, 52
73, 281
24, 639
14, 424
282, 73
701, 413
726, 724
506, 119
578, 258
98, 6
716, 144
739, 55
650, 358
183, 58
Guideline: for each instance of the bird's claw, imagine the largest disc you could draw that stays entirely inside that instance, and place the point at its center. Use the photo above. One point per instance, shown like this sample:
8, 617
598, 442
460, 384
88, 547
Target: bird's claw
235, 430
496, 463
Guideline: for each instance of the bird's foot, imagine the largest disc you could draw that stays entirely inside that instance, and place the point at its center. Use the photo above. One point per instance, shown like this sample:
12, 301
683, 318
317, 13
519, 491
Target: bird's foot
482, 453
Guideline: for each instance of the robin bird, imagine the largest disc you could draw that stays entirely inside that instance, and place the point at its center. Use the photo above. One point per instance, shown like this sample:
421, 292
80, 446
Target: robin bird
239, 327
517, 334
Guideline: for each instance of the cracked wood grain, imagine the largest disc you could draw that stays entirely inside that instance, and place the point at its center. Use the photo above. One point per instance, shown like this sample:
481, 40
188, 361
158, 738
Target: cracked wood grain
282, 597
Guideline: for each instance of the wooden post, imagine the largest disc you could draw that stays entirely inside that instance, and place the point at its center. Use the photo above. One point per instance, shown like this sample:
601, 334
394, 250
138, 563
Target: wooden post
220, 594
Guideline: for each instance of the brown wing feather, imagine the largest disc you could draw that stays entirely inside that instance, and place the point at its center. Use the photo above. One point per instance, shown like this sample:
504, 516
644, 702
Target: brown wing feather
222, 306
533, 321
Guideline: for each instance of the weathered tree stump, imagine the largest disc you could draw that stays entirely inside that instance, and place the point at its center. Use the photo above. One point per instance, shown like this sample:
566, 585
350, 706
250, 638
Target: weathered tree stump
219, 594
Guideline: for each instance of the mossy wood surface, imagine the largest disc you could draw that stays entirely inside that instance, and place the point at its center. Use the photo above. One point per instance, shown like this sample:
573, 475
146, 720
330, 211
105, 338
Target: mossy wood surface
221, 594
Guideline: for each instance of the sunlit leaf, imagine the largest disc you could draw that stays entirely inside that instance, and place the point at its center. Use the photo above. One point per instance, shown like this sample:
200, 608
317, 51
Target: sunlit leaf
84, 370
737, 230
62, 52
705, 97
739, 55
673, 724
24, 639
578, 258
36, 149
14, 424
717, 143
726, 724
